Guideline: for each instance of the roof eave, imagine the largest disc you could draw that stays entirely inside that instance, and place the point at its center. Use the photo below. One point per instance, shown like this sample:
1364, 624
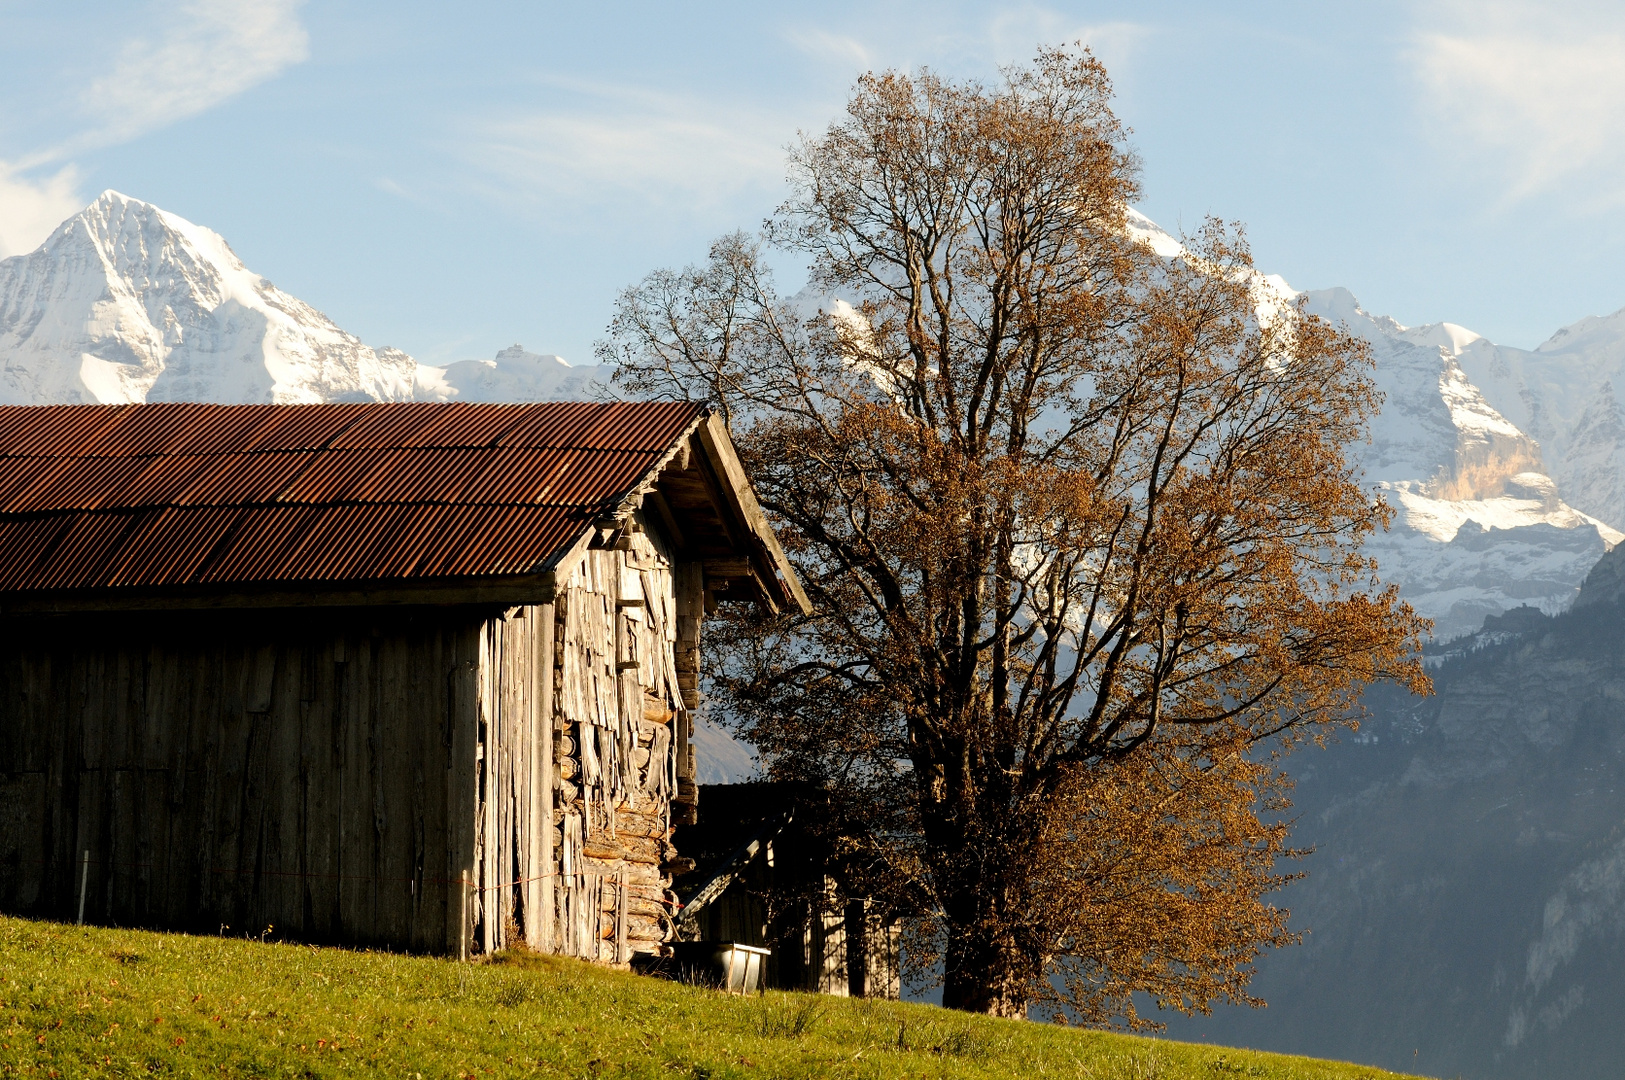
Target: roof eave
775, 570
503, 591
773, 575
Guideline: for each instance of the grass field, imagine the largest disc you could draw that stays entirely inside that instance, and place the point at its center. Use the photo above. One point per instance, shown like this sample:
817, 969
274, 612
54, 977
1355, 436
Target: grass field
89, 1002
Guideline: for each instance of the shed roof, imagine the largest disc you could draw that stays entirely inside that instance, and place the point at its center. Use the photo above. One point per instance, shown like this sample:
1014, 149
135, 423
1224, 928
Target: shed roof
202, 498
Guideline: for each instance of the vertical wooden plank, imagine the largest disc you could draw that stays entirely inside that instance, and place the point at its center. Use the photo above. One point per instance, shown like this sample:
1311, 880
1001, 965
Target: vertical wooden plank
545, 871
325, 797
688, 585
620, 916
516, 757
498, 898
400, 734
231, 763
429, 741
392, 651
313, 753
283, 885
185, 665
461, 779
382, 717
489, 727
177, 840
360, 672
204, 701
522, 657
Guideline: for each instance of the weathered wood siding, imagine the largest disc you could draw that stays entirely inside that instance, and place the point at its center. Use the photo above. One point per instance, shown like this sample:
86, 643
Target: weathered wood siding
511, 899
311, 772
627, 630
338, 775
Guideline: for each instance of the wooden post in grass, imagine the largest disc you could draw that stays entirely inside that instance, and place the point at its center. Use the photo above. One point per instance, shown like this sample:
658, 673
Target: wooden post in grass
462, 919
84, 881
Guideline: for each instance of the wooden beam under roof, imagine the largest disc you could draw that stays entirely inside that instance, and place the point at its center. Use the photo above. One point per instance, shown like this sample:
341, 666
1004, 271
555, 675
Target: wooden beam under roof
774, 564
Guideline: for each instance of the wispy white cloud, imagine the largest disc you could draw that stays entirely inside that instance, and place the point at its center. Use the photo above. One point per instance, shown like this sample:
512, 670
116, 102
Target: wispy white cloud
201, 53
698, 155
840, 50
385, 184
990, 36
30, 209
1541, 88
207, 51
612, 142
1014, 34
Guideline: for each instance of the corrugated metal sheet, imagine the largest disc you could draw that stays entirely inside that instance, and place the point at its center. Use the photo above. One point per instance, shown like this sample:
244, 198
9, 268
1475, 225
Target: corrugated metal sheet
150, 496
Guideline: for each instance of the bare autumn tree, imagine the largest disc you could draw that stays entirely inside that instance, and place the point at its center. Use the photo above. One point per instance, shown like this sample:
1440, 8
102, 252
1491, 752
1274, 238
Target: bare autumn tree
1077, 522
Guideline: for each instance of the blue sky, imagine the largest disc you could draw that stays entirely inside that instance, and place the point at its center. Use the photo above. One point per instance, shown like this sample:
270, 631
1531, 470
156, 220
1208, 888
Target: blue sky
451, 179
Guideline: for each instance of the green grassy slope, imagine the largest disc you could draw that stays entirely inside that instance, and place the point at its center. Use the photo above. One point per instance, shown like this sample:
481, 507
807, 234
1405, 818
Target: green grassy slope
88, 1002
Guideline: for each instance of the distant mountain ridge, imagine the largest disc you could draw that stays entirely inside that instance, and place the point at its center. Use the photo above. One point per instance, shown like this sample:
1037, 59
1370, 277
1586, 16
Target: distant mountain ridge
1506, 467
1465, 897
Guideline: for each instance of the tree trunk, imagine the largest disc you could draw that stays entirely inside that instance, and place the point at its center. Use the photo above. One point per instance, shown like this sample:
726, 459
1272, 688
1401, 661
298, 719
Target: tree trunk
984, 969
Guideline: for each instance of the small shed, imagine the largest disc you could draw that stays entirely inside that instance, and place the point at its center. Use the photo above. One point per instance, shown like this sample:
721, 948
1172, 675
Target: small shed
417, 676
776, 870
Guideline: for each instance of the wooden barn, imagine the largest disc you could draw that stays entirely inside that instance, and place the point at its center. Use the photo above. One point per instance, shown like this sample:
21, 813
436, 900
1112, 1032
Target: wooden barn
408, 675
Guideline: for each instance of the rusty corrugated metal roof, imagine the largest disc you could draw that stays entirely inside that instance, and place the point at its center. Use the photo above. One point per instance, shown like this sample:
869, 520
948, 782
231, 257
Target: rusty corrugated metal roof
96, 497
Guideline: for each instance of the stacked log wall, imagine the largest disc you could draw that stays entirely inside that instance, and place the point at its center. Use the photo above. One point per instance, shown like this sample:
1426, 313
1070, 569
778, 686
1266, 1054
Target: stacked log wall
621, 729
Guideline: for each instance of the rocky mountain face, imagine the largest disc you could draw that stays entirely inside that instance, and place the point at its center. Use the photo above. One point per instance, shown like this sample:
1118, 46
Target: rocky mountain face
1482, 526
127, 302
1465, 902
1566, 394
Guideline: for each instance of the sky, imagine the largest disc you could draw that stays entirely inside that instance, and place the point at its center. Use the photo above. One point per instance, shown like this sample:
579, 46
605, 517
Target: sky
453, 179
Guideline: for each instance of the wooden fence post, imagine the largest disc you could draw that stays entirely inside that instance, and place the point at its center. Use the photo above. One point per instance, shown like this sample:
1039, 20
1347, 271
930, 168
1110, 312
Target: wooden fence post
462, 918
84, 881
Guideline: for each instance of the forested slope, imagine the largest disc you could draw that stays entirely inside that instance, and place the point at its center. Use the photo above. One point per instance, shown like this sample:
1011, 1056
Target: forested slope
1466, 899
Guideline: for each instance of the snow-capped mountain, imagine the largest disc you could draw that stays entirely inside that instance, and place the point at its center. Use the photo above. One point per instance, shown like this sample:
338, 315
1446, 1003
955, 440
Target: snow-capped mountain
1506, 467
1483, 521
1481, 524
515, 375
127, 302
1566, 394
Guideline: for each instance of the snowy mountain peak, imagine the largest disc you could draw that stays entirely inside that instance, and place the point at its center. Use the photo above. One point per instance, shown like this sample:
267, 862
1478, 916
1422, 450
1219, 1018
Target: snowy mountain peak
1482, 524
1591, 332
1154, 236
127, 302
515, 375
1448, 336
